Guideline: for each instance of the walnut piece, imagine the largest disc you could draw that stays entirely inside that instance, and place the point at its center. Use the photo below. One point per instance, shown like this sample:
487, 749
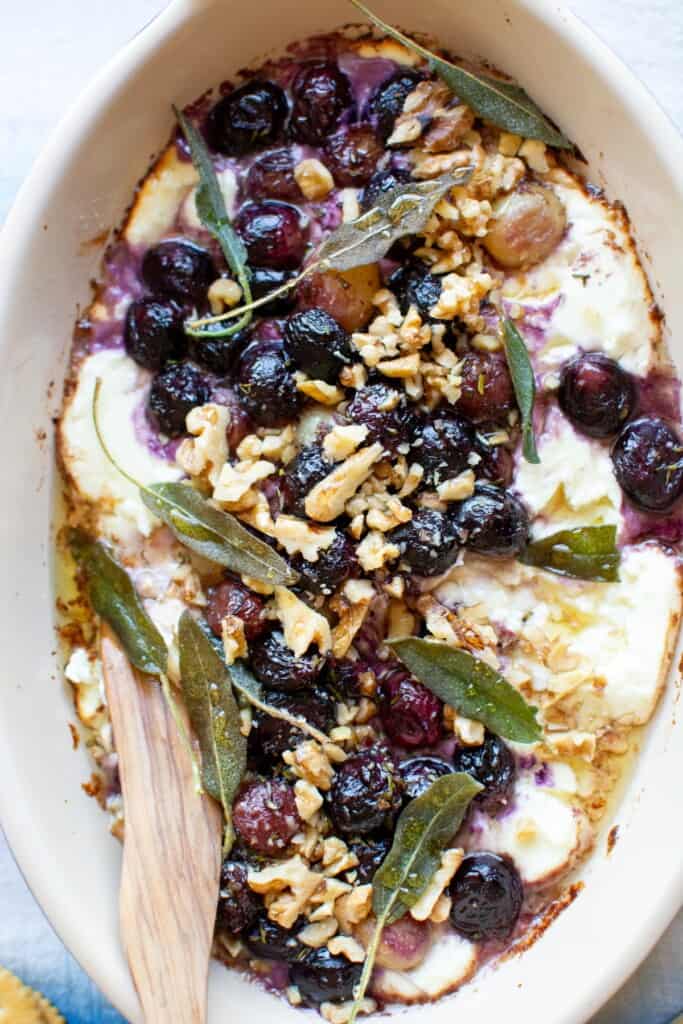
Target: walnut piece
327, 499
206, 453
301, 624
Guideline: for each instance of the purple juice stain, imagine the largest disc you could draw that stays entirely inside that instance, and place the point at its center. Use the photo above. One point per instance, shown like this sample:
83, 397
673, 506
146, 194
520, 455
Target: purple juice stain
365, 74
146, 435
543, 776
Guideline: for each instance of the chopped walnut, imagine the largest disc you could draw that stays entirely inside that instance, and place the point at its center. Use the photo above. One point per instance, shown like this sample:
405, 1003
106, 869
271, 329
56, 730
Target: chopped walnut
316, 935
469, 732
327, 499
205, 454
412, 481
450, 862
322, 902
535, 154
374, 551
344, 945
234, 640
442, 909
447, 129
291, 882
301, 624
313, 178
320, 391
400, 620
461, 294
343, 440
508, 144
353, 907
296, 535
351, 606
310, 762
402, 368
223, 294
337, 857
354, 376
235, 489
308, 799
274, 445
458, 487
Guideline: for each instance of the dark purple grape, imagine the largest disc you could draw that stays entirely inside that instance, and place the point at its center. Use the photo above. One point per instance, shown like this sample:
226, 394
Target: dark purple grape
265, 280
387, 414
322, 977
334, 565
265, 385
317, 344
647, 463
486, 389
265, 816
250, 117
487, 896
342, 675
371, 853
381, 183
273, 233
366, 792
419, 773
278, 668
301, 476
411, 714
154, 333
413, 285
596, 395
493, 765
493, 521
428, 543
443, 447
387, 101
232, 597
322, 94
268, 941
271, 176
218, 355
270, 737
179, 269
352, 154
497, 462
176, 390
238, 906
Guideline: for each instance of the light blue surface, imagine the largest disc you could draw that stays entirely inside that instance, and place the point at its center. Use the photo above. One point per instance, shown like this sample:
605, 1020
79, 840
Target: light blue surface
50, 51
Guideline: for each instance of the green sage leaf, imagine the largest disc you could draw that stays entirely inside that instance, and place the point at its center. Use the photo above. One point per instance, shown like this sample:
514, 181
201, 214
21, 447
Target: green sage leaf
113, 596
423, 832
403, 211
214, 216
471, 686
214, 534
503, 103
215, 717
585, 553
524, 383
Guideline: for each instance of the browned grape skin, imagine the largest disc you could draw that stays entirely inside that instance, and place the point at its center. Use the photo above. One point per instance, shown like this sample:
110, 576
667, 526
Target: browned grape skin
527, 227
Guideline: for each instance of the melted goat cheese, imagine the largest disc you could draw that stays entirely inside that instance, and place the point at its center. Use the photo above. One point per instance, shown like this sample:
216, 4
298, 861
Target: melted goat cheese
124, 389
450, 962
591, 293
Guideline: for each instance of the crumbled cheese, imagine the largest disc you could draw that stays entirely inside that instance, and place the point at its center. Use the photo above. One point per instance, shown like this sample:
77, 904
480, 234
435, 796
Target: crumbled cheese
327, 499
206, 452
234, 640
313, 178
343, 440
302, 626
350, 204
235, 489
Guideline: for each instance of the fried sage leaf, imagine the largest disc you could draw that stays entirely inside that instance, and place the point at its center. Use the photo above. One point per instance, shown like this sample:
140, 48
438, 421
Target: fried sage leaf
585, 553
423, 832
524, 383
215, 717
471, 686
214, 216
503, 103
115, 600
403, 211
215, 534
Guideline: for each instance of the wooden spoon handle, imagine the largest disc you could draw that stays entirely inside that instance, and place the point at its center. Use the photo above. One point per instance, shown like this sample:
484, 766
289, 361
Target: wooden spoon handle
171, 853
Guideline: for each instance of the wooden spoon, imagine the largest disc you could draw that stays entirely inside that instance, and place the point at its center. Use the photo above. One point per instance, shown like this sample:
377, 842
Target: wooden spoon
171, 851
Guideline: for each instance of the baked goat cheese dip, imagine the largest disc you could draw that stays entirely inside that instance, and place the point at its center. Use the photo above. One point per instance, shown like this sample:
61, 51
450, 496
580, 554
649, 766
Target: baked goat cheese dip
367, 424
